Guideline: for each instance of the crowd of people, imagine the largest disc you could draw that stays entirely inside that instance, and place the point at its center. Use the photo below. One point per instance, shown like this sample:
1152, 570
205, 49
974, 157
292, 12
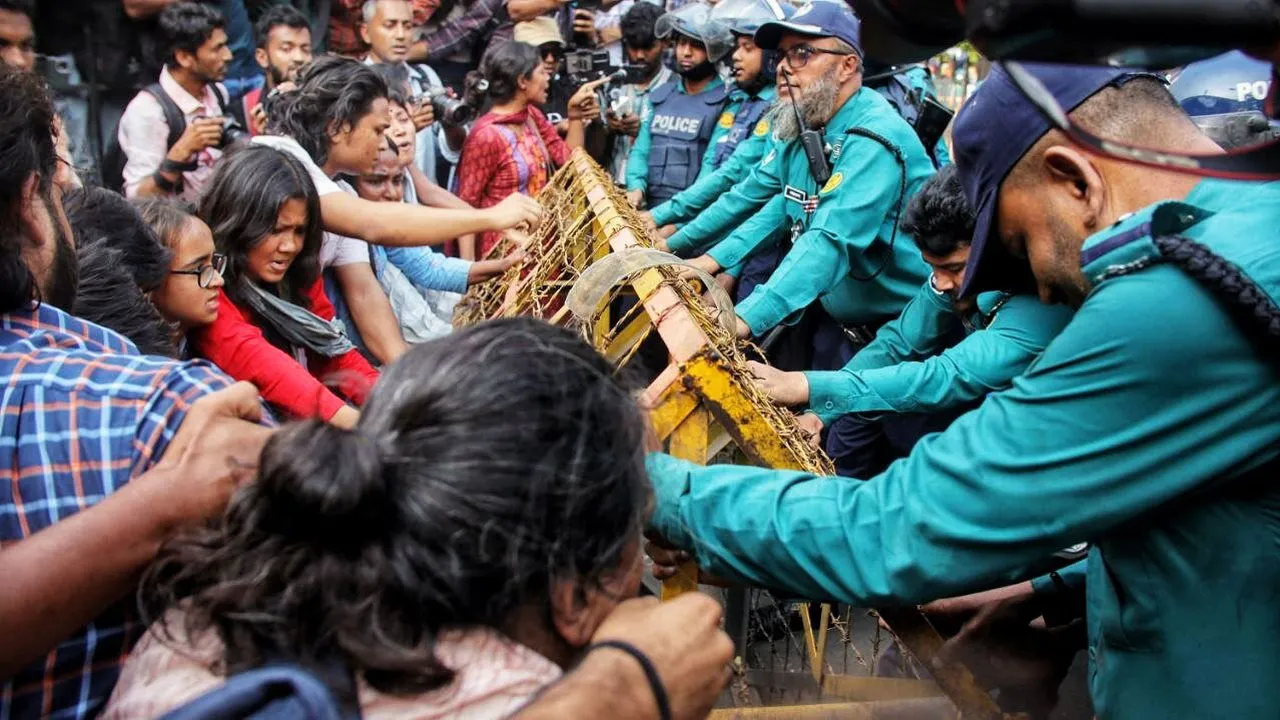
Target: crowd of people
247, 446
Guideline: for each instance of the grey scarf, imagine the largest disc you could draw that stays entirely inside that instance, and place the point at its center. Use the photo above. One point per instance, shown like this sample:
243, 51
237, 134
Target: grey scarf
298, 326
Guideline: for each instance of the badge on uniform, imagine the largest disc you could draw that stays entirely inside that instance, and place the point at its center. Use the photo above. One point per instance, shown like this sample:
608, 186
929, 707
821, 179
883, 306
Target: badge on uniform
762, 128
832, 183
726, 119
807, 202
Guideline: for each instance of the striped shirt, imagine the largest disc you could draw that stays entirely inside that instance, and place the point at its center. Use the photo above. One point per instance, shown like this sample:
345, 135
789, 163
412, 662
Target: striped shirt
81, 413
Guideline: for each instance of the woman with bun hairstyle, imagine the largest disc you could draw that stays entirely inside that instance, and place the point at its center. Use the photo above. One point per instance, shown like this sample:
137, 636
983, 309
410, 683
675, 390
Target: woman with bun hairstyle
455, 551
513, 148
275, 326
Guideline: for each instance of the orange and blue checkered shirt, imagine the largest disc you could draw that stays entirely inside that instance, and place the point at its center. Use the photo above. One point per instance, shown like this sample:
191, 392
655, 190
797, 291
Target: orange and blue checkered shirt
81, 413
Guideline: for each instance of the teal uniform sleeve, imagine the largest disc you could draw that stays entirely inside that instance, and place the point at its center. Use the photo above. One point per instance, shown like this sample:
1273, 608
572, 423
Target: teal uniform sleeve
700, 195
638, 159
759, 230
918, 332
1120, 416
848, 220
984, 362
1072, 576
762, 184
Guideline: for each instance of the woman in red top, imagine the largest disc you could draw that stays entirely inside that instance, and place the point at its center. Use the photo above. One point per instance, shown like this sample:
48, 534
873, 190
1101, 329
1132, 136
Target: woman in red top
274, 326
513, 148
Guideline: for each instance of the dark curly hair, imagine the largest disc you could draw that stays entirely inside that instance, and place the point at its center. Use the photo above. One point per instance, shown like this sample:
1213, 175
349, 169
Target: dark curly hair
332, 92
939, 217
98, 215
638, 25
186, 26
108, 296
486, 467
26, 150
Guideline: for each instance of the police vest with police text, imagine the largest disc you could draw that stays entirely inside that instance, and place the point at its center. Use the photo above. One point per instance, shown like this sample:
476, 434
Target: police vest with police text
745, 121
680, 127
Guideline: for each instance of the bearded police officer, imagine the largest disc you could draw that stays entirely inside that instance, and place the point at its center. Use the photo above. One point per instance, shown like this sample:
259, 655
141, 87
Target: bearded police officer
1150, 426
842, 230
754, 90
679, 122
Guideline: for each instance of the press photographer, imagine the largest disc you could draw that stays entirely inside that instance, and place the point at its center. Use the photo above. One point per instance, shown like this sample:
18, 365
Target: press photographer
388, 28
174, 132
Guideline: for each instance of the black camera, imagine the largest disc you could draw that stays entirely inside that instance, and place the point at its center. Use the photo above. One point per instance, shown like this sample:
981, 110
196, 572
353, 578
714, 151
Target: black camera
452, 110
583, 66
232, 132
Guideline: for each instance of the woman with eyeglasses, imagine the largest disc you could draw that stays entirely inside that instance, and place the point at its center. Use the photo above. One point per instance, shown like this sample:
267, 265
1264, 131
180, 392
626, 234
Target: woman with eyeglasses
275, 326
188, 295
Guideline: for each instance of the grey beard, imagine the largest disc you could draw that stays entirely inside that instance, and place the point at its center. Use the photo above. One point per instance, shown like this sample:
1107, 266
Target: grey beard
817, 104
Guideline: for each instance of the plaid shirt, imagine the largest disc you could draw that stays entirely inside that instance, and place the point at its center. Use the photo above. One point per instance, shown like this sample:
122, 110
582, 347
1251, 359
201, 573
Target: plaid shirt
81, 413
481, 21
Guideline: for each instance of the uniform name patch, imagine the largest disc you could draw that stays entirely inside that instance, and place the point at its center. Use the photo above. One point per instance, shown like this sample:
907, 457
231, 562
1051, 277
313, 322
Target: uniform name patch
726, 120
832, 183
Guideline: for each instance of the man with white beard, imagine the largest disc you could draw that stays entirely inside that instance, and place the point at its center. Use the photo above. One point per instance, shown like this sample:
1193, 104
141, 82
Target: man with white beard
839, 233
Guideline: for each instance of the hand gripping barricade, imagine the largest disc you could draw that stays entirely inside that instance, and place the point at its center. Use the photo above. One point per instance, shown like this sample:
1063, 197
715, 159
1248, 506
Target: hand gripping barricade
590, 250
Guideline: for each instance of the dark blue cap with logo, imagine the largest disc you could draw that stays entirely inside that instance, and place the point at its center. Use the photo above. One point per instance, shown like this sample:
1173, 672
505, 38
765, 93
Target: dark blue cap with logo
820, 18
994, 129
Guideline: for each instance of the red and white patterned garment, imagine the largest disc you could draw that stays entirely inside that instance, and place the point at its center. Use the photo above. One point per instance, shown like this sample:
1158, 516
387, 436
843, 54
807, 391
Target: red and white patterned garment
506, 154
495, 677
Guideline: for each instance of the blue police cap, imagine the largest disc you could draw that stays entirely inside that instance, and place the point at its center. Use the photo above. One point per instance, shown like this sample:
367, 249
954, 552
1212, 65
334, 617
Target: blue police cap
994, 129
820, 18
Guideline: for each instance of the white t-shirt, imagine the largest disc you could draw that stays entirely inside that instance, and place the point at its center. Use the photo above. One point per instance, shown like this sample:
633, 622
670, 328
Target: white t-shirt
336, 250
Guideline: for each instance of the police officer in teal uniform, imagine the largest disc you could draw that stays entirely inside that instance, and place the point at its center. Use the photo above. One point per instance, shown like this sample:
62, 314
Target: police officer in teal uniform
937, 359
680, 120
845, 250
1149, 427
754, 89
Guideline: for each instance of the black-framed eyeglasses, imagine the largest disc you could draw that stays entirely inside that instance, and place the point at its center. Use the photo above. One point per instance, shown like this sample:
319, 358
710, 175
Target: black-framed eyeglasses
206, 274
797, 56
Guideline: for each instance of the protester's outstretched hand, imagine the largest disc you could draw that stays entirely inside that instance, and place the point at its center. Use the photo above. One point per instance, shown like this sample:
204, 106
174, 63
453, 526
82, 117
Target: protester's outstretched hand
215, 450
515, 210
782, 387
683, 639
811, 426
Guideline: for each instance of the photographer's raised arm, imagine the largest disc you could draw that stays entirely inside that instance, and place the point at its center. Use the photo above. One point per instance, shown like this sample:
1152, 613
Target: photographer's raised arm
401, 224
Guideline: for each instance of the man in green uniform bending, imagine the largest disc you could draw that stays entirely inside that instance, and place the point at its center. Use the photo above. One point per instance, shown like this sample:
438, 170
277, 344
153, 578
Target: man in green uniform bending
1150, 427
940, 357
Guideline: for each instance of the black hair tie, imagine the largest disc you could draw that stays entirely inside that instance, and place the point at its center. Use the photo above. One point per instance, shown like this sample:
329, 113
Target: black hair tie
650, 673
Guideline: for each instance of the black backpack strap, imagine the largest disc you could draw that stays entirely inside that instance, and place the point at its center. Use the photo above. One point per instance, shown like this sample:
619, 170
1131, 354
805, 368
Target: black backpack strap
173, 116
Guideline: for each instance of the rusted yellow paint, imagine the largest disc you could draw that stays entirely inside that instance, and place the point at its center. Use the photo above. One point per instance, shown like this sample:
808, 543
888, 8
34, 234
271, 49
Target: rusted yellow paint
689, 441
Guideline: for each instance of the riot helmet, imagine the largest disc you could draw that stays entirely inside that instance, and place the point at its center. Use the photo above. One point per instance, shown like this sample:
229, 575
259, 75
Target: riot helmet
744, 17
1225, 96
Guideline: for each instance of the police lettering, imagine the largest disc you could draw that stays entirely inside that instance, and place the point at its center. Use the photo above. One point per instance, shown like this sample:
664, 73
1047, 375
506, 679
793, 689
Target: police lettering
675, 123
1252, 90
